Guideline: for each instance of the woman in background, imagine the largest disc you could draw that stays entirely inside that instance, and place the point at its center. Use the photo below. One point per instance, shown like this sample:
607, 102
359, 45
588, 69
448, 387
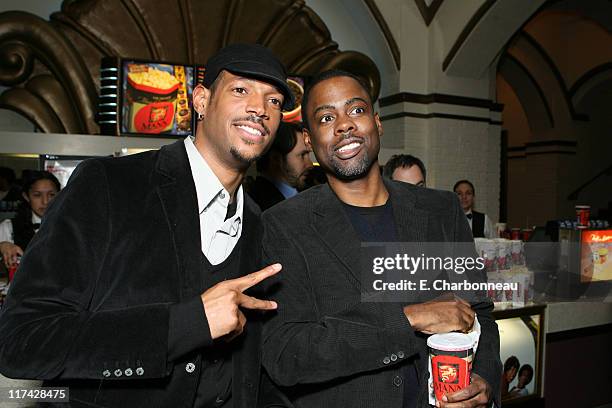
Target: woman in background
39, 188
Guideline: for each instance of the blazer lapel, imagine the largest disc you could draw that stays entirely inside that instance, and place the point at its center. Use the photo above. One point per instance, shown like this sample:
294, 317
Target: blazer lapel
337, 233
177, 193
410, 222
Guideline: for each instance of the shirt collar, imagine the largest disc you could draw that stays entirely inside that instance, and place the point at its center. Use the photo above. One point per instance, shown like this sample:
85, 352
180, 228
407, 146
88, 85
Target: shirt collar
208, 187
286, 190
35, 218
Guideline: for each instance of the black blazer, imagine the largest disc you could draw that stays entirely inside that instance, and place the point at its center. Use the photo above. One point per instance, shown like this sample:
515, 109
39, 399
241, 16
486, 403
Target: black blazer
265, 193
326, 346
118, 245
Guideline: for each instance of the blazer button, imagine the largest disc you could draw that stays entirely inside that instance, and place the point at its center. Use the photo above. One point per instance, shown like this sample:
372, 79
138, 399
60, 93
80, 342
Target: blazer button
400, 354
106, 373
397, 381
139, 371
386, 360
393, 357
128, 372
118, 373
190, 368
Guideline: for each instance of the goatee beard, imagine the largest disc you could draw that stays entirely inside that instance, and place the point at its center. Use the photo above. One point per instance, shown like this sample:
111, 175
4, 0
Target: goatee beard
351, 171
241, 157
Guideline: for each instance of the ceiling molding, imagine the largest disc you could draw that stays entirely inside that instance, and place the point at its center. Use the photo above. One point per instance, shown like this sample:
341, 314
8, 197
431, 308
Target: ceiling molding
556, 73
440, 98
380, 20
467, 30
428, 12
510, 59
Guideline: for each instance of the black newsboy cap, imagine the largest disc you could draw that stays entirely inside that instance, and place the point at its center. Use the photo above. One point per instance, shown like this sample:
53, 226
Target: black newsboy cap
251, 61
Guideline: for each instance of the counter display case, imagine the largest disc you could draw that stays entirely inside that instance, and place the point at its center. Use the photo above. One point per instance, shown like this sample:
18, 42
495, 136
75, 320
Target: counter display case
521, 332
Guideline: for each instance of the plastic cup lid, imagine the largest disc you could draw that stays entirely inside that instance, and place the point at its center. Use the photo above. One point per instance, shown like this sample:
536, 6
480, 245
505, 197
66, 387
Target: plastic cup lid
450, 342
582, 207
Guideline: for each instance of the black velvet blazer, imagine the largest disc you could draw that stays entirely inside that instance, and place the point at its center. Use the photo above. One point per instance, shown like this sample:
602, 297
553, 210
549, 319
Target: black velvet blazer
89, 305
325, 346
265, 193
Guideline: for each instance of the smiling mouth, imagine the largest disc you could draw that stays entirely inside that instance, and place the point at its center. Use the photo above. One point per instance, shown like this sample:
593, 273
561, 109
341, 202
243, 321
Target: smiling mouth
349, 150
349, 147
250, 130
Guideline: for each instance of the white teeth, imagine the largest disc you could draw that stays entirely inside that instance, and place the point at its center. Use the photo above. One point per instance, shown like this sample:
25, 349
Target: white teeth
250, 130
349, 147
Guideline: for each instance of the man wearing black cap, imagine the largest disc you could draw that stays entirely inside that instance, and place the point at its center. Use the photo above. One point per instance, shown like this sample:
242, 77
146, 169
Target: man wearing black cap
145, 303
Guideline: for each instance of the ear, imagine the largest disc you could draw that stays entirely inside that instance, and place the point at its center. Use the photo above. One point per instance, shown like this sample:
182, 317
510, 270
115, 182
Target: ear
378, 124
25, 197
306, 135
201, 99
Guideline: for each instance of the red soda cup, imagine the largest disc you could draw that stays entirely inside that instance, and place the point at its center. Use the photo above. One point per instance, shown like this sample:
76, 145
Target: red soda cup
13, 268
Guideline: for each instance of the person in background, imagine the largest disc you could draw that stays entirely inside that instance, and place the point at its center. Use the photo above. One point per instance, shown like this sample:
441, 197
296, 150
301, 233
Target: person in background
282, 170
479, 222
39, 188
406, 168
9, 192
314, 176
525, 375
511, 367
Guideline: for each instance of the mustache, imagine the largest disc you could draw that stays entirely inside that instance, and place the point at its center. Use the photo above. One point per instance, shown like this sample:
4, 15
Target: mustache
348, 135
254, 119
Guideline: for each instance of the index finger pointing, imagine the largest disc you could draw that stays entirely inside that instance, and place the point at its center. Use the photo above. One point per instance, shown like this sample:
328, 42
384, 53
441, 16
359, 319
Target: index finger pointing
254, 278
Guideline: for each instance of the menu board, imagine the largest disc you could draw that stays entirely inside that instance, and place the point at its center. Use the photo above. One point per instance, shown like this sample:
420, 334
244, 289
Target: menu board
596, 256
145, 98
156, 98
152, 98
296, 84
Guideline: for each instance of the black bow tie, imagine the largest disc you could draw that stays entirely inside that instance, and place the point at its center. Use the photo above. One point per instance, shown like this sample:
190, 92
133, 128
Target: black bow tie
36, 225
469, 216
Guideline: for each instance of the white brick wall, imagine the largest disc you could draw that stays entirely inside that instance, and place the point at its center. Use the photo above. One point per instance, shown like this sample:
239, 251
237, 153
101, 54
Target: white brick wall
451, 149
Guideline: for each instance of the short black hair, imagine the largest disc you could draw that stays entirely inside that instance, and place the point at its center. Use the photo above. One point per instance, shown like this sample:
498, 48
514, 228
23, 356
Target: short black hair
527, 367
403, 160
284, 142
468, 182
324, 76
8, 174
33, 176
511, 362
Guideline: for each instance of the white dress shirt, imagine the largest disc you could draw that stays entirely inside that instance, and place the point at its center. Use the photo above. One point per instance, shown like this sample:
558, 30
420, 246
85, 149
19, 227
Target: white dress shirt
218, 236
6, 229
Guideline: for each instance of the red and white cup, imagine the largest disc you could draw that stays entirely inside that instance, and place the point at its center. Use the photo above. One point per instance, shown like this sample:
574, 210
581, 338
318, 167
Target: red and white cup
451, 357
515, 234
583, 213
526, 234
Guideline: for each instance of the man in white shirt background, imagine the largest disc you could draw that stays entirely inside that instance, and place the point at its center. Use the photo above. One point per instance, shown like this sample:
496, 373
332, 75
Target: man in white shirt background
406, 168
479, 222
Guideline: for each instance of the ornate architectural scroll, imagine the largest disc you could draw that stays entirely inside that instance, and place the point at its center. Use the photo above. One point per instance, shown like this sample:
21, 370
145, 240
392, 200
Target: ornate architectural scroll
51, 67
